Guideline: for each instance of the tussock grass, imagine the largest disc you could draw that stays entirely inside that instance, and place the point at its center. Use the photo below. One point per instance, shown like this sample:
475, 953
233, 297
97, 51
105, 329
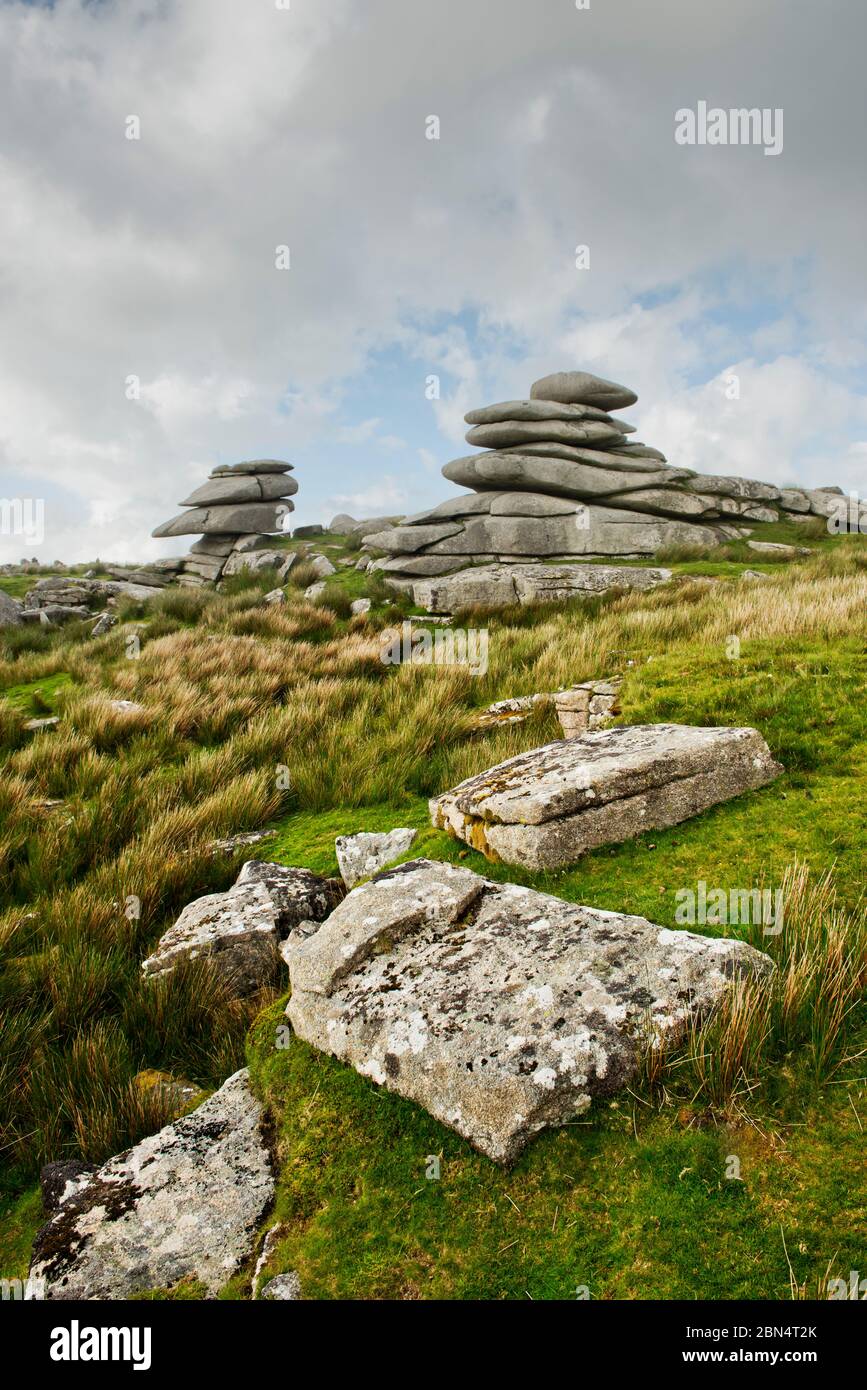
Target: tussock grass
302, 574
336, 601
251, 584
233, 689
820, 955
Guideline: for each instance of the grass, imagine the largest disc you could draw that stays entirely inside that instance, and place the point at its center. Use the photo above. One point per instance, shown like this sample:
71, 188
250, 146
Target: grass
39, 696
632, 1203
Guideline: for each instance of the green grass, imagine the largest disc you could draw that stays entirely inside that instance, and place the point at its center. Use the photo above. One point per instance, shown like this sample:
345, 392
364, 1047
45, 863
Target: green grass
17, 585
21, 1215
633, 1201
37, 697
630, 1202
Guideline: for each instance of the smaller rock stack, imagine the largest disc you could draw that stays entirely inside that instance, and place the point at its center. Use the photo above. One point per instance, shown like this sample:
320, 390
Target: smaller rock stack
234, 512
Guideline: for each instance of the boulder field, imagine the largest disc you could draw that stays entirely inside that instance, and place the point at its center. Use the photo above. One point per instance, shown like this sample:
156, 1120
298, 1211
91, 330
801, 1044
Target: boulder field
503, 1011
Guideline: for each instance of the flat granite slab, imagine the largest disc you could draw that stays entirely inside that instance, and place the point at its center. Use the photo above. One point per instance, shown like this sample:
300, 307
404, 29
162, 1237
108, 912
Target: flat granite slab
498, 584
499, 1009
545, 808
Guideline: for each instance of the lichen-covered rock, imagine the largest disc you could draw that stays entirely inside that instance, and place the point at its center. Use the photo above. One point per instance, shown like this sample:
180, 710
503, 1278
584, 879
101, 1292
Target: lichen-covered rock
10, 610
184, 1203
235, 930
297, 895
240, 930
286, 1287
497, 585
499, 1009
256, 560
59, 1180
363, 854
321, 566
545, 808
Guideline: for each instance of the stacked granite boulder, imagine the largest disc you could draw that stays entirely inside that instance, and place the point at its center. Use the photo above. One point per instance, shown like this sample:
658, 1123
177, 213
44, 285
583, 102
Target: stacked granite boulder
234, 512
560, 480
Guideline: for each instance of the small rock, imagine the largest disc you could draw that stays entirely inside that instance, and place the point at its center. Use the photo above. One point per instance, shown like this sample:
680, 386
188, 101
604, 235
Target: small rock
272, 1235
36, 726
364, 854
360, 605
321, 566
274, 596
241, 841
10, 610
60, 613
295, 937
786, 552
314, 591
254, 560
104, 623
283, 1286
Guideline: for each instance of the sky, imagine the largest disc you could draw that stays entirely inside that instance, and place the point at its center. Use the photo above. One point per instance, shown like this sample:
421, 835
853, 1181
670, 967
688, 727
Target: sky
149, 333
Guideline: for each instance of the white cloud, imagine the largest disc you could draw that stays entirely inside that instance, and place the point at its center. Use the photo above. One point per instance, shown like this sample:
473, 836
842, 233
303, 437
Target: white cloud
358, 434
384, 498
305, 126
